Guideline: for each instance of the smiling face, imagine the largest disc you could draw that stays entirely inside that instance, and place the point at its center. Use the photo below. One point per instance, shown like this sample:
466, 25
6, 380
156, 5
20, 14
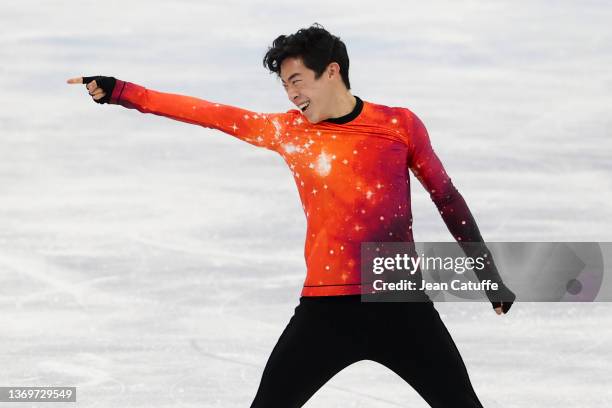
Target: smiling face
312, 96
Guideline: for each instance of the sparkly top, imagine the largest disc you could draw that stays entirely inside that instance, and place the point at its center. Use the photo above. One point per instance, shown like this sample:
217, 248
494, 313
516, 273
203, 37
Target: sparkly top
351, 174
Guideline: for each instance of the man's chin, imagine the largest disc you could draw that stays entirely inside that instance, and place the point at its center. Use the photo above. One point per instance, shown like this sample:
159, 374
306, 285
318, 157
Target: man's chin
311, 118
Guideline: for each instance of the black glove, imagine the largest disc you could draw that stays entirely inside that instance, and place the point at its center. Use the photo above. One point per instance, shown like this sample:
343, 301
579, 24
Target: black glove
501, 295
106, 83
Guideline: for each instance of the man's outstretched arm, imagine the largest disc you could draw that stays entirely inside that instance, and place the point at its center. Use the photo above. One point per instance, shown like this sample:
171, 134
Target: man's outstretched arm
458, 218
258, 129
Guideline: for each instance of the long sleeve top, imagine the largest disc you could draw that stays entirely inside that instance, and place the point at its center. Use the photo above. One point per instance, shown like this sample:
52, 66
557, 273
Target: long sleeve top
352, 174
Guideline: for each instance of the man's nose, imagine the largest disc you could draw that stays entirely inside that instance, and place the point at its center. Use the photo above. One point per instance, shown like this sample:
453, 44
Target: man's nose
293, 95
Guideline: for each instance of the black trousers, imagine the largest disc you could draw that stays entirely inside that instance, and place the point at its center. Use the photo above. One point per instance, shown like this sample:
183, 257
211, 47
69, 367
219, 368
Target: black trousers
327, 334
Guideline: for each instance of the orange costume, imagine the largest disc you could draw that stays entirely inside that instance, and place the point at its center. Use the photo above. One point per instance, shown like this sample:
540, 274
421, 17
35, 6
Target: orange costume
351, 173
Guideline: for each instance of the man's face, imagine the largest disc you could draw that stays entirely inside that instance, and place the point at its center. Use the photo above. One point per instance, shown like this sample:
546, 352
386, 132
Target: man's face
310, 95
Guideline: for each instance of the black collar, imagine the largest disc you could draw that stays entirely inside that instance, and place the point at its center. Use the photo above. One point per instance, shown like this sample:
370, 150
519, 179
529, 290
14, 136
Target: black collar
349, 116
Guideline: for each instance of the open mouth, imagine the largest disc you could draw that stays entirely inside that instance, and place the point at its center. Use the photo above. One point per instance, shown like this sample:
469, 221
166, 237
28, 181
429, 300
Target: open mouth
304, 106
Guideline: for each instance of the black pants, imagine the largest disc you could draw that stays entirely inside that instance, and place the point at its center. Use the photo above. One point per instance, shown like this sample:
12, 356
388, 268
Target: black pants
327, 334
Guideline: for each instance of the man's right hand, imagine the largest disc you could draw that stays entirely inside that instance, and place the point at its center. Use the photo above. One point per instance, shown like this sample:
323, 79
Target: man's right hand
99, 87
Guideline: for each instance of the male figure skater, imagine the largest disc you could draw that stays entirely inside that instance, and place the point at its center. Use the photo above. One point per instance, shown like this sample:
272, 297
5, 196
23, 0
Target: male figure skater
350, 160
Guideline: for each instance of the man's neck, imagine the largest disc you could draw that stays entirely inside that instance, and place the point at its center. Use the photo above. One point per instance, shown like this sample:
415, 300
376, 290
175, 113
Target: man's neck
343, 105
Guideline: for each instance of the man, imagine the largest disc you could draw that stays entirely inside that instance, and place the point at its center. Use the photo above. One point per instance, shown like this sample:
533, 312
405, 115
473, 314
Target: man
350, 160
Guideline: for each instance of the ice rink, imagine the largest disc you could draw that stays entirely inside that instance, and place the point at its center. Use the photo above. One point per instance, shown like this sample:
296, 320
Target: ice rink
152, 263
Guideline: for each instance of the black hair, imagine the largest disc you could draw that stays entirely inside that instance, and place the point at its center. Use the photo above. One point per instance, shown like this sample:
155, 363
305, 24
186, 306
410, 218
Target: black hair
317, 48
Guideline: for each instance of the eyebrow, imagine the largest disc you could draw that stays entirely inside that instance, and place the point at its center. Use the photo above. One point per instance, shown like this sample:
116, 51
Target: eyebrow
291, 77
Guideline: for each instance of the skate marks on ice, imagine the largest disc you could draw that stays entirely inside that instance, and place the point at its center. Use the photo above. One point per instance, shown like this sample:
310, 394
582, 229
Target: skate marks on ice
234, 360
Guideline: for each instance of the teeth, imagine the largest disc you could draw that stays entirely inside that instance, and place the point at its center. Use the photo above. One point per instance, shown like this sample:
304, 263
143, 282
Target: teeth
303, 106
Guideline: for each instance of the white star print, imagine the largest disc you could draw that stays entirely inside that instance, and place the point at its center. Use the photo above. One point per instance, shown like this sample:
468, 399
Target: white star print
323, 166
277, 128
290, 148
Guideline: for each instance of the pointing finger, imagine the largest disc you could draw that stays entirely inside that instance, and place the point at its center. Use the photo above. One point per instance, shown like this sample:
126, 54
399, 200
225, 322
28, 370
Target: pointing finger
77, 80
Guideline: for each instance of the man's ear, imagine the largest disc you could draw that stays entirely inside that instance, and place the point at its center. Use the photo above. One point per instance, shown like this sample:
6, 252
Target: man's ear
333, 69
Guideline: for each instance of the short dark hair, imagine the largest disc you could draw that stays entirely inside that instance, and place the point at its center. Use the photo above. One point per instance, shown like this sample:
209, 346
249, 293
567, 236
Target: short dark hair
317, 48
